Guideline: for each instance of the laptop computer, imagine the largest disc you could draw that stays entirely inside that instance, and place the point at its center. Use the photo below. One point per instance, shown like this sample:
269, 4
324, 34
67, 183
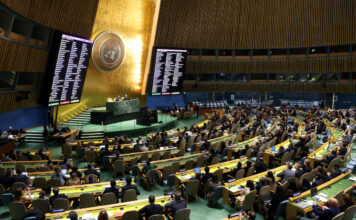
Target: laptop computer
197, 170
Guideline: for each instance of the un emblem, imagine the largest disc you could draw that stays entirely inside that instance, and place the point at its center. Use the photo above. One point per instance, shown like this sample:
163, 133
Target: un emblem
108, 51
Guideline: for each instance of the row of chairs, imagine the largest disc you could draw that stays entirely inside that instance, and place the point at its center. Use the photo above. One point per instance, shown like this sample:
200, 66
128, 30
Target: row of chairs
23, 168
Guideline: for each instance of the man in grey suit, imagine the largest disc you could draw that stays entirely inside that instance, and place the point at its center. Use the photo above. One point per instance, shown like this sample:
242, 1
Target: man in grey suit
286, 174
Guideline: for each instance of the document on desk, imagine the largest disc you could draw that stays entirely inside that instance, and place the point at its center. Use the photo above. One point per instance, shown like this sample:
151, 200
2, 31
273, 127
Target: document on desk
304, 204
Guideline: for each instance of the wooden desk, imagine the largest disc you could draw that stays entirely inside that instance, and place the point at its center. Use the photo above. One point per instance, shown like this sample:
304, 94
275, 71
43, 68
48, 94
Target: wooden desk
61, 135
330, 189
115, 211
160, 164
34, 152
236, 147
130, 156
269, 153
75, 191
30, 163
6, 147
234, 188
320, 153
17, 137
182, 177
225, 137
47, 174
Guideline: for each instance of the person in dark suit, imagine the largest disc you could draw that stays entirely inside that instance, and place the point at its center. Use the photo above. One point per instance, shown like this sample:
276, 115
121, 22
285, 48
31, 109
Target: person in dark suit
298, 171
56, 195
112, 189
207, 175
151, 209
306, 166
19, 177
128, 186
260, 165
91, 170
337, 171
177, 203
75, 170
287, 173
6, 180
327, 213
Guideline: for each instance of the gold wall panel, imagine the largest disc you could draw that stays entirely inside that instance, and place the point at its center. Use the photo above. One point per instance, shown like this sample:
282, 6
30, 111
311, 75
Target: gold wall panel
71, 16
132, 20
269, 87
255, 23
339, 64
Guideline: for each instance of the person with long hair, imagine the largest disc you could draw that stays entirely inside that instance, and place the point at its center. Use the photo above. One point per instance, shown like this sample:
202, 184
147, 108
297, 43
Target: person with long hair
271, 181
250, 186
19, 195
103, 215
347, 201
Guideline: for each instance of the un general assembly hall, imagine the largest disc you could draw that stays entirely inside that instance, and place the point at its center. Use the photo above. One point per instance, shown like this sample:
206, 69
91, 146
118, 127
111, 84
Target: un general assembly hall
178, 109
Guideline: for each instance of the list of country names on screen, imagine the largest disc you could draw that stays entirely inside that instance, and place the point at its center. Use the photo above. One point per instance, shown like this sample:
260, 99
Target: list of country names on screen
70, 70
168, 72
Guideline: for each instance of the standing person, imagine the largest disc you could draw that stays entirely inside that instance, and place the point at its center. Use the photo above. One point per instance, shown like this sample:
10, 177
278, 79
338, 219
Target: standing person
152, 208
197, 110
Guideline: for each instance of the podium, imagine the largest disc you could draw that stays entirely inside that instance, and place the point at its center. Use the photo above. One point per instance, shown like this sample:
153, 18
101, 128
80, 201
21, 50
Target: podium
123, 107
116, 112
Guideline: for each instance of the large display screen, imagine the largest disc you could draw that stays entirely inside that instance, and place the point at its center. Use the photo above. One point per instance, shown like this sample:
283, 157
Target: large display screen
168, 71
66, 69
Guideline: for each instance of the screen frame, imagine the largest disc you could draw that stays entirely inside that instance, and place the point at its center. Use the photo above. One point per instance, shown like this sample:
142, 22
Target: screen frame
48, 80
149, 84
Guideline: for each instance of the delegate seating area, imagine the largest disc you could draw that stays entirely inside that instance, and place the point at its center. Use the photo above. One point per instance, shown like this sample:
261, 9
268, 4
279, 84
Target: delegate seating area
273, 162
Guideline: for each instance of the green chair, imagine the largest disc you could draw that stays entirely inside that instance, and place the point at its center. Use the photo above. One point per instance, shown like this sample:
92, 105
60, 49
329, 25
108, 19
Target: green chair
189, 165
129, 195
42, 205
87, 200
44, 169
30, 170
200, 161
215, 160
20, 167
166, 155
156, 217
191, 189
17, 185
176, 167
108, 198
61, 203
53, 183
182, 214
90, 156
40, 182
249, 200
340, 216
7, 198
156, 156
119, 167
93, 176
350, 212
17, 210
130, 215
